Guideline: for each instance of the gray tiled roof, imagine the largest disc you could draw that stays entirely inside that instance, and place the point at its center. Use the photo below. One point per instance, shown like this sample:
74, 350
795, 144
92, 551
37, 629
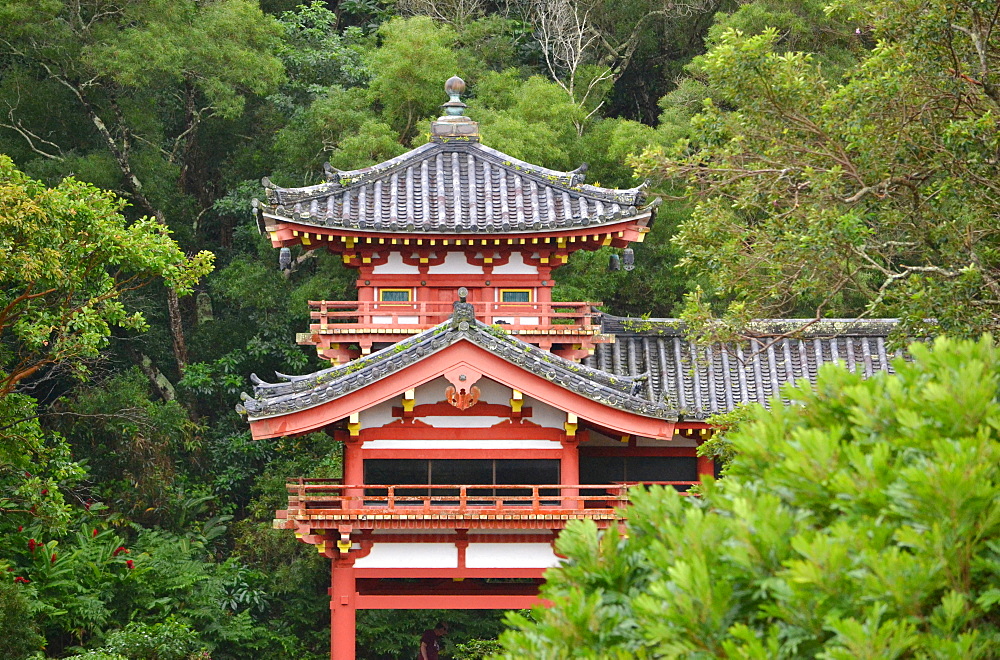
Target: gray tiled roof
700, 380
452, 187
303, 392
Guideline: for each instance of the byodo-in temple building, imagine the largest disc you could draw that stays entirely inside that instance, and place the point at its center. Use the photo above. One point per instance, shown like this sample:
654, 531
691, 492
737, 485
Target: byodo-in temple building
479, 417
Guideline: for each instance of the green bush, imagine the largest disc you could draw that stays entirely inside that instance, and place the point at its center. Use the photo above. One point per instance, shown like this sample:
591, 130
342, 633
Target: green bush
862, 521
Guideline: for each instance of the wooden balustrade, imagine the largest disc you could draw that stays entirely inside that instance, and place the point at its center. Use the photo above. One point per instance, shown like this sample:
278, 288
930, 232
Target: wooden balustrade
309, 498
329, 315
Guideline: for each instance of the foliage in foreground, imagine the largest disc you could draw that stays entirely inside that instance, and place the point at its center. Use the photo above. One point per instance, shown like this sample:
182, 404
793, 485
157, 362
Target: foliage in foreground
862, 522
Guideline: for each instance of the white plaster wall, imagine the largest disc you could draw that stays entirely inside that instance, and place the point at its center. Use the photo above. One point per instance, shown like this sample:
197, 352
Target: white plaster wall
395, 266
510, 555
484, 443
515, 266
410, 555
380, 414
455, 264
402, 320
462, 422
543, 414
513, 320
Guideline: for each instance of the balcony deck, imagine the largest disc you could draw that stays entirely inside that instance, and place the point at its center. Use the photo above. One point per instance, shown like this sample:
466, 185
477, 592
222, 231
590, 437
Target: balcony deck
327, 503
367, 322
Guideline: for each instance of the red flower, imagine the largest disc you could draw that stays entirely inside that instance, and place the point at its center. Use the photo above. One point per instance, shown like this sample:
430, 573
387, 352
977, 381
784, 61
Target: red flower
120, 549
20, 528
53, 557
87, 506
32, 544
22, 580
45, 491
95, 532
130, 564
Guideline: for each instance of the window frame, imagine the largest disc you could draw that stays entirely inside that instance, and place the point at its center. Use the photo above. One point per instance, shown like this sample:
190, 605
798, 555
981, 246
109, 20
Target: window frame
530, 300
408, 291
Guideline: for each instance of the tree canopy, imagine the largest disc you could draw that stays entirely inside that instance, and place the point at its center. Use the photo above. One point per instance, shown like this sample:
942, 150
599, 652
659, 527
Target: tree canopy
862, 189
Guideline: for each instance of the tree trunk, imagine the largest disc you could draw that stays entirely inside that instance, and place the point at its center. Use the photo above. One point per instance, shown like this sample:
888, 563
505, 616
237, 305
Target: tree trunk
134, 185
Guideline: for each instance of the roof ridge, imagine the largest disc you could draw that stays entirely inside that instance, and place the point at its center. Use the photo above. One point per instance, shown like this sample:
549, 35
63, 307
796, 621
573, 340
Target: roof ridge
812, 328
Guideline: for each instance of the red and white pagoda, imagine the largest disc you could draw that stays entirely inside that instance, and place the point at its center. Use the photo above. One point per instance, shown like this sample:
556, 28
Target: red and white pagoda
478, 416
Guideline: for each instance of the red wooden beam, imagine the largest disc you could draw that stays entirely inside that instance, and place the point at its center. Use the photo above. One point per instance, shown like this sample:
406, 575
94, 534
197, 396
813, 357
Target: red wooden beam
448, 573
437, 602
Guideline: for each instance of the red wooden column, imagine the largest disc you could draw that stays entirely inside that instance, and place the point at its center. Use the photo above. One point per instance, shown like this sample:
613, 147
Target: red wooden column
343, 613
569, 470
354, 471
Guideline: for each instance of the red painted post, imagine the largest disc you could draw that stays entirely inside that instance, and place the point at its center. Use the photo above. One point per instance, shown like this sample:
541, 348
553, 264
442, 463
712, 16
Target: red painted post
569, 472
706, 466
354, 472
343, 620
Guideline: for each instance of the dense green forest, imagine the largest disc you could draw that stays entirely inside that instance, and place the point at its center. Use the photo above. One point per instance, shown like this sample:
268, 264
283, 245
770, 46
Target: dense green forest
816, 158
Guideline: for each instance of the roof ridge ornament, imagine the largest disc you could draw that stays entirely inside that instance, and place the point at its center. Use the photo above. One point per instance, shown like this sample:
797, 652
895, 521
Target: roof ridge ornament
464, 314
454, 87
454, 126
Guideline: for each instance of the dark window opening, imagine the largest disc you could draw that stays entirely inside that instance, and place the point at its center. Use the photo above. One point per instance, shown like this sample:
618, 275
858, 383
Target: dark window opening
615, 469
460, 472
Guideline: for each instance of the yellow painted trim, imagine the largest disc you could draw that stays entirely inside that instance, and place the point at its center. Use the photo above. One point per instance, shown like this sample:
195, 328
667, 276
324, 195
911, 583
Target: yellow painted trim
530, 292
516, 400
409, 295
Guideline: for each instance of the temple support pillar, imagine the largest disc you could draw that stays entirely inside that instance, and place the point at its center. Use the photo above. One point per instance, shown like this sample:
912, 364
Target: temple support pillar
343, 613
354, 471
569, 470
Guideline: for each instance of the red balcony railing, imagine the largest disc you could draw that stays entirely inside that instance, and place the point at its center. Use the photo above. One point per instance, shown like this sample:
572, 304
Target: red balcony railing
518, 318
313, 499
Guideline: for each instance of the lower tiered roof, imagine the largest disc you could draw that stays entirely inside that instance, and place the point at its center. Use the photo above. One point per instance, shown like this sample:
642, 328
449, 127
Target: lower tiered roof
650, 369
697, 381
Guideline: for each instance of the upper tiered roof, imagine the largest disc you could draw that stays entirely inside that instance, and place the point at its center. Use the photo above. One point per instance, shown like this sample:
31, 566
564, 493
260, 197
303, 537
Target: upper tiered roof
452, 188
452, 185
